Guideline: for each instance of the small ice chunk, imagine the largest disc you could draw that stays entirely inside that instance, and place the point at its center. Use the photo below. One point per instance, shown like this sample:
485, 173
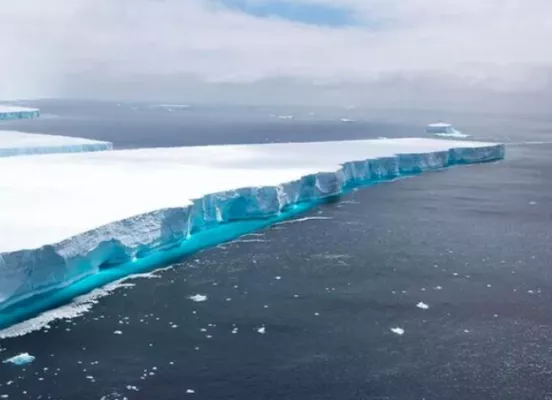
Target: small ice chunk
234, 331
422, 305
262, 330
190, 391
117, 332
198, 298
131, 387
398, 331
278, 278
21, 359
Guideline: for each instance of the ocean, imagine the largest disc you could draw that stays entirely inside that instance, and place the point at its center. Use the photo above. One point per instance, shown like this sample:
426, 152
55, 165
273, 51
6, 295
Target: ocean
458, 261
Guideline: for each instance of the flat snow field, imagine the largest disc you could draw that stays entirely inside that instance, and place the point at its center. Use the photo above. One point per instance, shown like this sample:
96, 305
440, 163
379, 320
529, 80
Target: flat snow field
45, 199
14, 143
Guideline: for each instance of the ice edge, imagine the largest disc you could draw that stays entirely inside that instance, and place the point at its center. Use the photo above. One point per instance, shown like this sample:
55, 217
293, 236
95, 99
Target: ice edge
55, 149
22, 113
54, 266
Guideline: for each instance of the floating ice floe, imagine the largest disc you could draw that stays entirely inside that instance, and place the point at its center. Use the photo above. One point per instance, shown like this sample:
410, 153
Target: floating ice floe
422, 305
21, 359
198, 298
398, 331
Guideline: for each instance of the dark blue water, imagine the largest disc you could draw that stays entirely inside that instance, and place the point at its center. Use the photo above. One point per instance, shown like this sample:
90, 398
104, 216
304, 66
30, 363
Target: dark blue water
473, 243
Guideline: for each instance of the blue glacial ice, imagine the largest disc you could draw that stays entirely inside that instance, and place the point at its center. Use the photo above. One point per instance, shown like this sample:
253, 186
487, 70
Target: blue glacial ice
13, 112
90, 228
14, 143
21, 359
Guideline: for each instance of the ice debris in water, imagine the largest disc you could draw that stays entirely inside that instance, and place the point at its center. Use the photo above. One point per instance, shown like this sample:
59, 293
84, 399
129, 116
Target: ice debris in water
198, 298
398, 331
117, 332
262, 330
422, 305
190, 391
21, 359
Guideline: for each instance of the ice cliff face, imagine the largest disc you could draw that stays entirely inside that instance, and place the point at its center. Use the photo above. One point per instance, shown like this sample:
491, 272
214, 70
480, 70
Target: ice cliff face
53, 149
24, 273
10, 112
14, 143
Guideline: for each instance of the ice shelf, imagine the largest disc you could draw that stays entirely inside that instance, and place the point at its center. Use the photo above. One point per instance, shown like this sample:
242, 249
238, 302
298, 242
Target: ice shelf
13, 112
65, 217
14, 143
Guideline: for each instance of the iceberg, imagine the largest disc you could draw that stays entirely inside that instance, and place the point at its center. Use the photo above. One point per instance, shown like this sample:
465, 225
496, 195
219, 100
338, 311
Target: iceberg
12, 112
445, 130
21, 359
104, 215
14, 143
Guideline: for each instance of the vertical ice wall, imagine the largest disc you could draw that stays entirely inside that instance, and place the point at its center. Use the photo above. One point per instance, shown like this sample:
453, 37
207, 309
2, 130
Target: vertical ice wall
12, 112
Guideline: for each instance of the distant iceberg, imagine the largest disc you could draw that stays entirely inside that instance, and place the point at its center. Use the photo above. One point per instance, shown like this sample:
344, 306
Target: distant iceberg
172, 107
15, 143
444, 129
13, 112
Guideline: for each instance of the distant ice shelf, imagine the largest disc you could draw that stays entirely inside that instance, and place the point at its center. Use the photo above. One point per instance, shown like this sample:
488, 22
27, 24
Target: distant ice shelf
67, 217
13, 112
14, 143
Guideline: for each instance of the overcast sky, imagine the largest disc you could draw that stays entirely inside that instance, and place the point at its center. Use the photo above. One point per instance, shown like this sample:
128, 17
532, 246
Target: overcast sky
403, 52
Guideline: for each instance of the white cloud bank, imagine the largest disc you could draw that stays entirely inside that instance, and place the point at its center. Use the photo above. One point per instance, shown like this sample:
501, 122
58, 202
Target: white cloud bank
171, 48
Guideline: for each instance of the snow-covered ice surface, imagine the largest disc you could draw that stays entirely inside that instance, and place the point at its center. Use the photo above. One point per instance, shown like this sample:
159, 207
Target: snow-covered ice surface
13, 112
14, 143
64, 217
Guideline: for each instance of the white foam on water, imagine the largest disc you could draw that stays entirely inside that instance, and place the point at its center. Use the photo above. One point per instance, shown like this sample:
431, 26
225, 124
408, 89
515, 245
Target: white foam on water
77, 308
303, 219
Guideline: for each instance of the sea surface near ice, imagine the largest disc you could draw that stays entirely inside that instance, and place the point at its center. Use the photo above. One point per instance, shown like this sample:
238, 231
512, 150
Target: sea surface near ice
312, 308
